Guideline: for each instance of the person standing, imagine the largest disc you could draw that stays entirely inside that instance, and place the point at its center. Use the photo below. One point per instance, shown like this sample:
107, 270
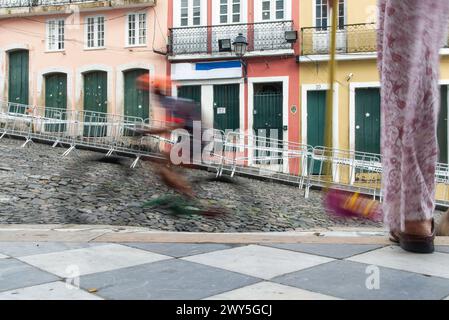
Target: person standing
410, 36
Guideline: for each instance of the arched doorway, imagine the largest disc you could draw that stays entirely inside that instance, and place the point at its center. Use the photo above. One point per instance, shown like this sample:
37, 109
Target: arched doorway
18, 80
95, 102
137, 101
56, 100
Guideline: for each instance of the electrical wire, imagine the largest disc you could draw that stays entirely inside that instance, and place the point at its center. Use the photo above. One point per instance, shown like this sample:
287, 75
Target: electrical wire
75, 41
42, 36
154, 34
159, 25
85, 23
155, 21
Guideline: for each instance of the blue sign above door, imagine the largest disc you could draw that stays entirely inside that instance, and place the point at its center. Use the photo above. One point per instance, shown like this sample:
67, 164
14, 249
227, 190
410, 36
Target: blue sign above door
203, 66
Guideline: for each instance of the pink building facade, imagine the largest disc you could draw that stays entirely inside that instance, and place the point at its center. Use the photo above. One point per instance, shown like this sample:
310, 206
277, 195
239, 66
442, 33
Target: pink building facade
85, 55
82, 55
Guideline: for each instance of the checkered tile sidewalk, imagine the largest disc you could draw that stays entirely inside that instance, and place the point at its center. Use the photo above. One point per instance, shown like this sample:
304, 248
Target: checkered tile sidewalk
219, 271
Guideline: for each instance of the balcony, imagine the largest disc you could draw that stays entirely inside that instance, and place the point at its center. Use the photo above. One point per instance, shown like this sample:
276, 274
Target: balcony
265, 38
351, 38
13, 8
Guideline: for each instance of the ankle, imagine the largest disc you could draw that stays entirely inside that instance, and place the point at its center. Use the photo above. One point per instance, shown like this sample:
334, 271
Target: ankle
420, 228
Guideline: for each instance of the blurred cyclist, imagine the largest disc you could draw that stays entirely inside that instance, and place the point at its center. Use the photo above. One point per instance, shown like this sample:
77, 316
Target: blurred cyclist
170, 114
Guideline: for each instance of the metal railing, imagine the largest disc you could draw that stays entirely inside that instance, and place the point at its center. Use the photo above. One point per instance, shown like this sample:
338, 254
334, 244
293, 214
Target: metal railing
351, 38
36, 3
265, 157
204, 39
345, 170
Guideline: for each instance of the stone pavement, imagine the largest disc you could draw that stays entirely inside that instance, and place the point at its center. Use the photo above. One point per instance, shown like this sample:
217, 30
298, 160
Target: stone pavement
82, 262
39, 187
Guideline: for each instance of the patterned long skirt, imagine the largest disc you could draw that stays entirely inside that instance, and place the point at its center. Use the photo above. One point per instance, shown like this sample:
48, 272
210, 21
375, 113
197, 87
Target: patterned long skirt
411, 32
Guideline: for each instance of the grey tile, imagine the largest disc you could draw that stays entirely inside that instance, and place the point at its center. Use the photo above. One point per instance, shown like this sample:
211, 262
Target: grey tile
394, 257
336, 251
92, 260
165, 280
58, 290
258, 261
444, 249
22, 249
179, 250
347, 280
15, 274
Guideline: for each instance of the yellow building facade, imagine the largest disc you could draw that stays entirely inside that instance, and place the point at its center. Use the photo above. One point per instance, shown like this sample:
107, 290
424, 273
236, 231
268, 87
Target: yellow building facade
356, 118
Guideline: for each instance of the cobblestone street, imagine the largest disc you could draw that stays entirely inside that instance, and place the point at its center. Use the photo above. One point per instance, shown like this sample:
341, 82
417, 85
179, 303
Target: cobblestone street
39, 187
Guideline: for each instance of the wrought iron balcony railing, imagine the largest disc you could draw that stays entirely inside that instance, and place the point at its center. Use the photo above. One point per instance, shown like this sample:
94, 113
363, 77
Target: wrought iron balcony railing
262, 36
351, 38
35, 3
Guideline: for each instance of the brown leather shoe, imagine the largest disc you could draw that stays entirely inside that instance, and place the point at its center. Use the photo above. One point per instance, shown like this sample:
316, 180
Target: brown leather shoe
415, 243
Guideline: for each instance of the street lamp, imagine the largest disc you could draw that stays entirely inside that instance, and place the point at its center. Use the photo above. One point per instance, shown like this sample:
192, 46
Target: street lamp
240, 45
240, 48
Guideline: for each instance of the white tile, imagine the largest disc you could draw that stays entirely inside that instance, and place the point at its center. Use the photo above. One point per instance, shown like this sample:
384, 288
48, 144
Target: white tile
3, 256
258, 261
84, 261
270, 291
49, 291
435, 264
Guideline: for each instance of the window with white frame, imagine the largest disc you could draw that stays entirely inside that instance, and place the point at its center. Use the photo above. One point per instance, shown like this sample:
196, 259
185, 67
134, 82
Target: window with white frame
95, 32
137, 29
55, 34
190, 13
196, 12
273, 10
230, 11
322, 14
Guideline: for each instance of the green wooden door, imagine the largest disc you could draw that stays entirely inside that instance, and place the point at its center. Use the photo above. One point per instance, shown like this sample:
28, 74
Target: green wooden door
95, 103
442, 126
268, 114
190, 92
227, 107
316, 119
137, 101
268, 122
56, 100
18, 80
367, 120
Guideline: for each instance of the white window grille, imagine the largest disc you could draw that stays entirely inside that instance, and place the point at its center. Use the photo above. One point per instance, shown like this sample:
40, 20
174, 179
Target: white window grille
196, 12
190, 13
137, 29
230, 11
322, 15
273, 10
55, 35
95, 30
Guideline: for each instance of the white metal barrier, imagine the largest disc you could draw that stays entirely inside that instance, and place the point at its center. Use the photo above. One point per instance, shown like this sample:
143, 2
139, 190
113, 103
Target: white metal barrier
233, 152
267, 157
346, 170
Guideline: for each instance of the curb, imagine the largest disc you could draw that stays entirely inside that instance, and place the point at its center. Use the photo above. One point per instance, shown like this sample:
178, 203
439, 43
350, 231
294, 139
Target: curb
117, 234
